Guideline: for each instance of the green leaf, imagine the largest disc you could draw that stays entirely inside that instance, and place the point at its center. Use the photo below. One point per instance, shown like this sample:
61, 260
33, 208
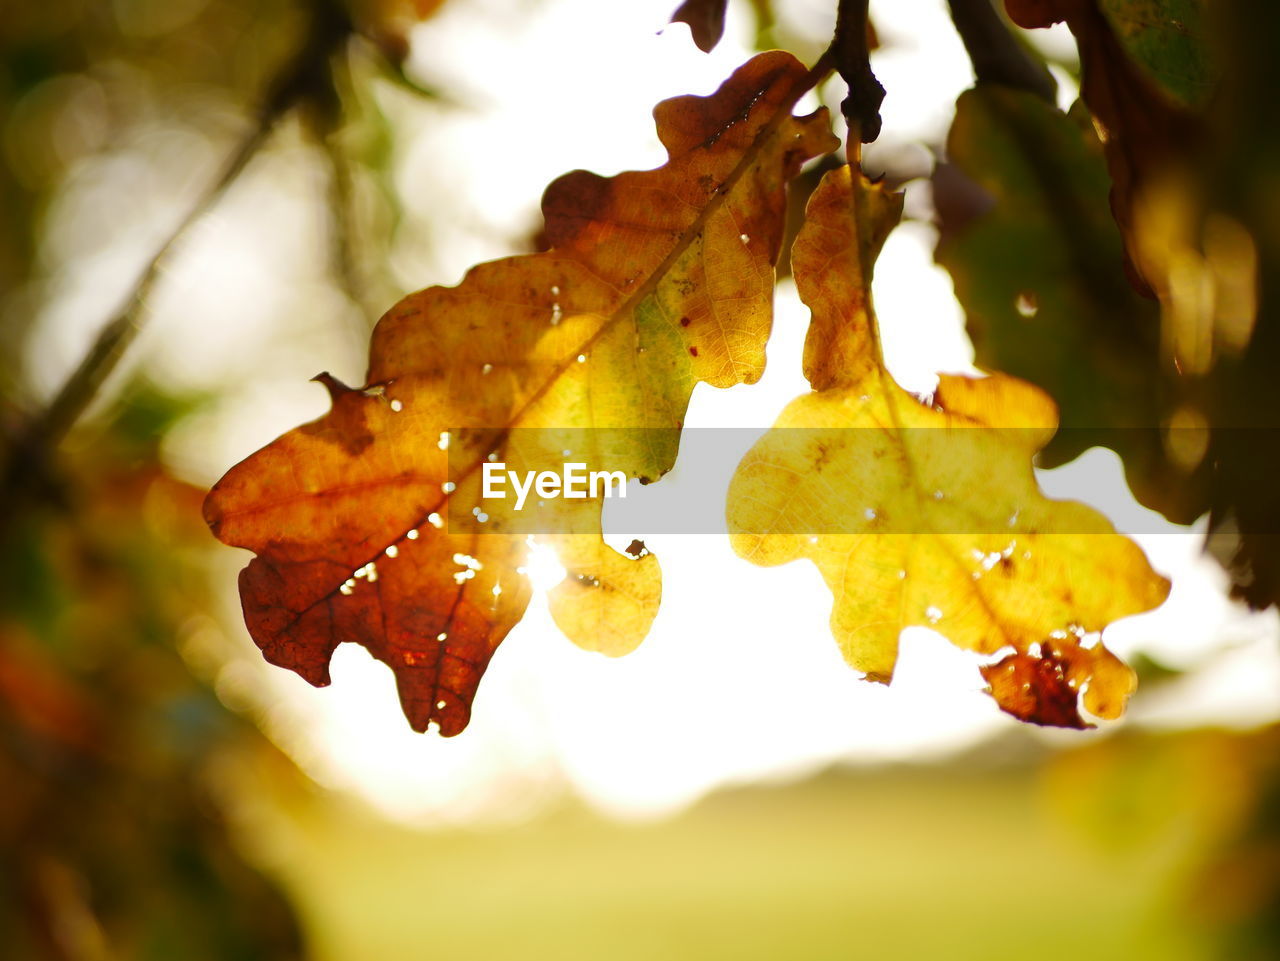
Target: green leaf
1038, 266
1166, 39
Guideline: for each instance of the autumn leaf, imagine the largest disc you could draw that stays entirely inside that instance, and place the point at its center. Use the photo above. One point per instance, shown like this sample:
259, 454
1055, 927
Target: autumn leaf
1043, 684
705, 19
927, 513
655, 280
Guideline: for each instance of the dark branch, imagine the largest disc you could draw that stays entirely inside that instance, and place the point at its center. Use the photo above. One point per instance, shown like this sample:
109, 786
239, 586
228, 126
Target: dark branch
304, 77
862, 107
996, 55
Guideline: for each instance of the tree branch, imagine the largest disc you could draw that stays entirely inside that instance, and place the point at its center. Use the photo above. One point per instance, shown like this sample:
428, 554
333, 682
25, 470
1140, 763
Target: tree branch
995, 53
861, 108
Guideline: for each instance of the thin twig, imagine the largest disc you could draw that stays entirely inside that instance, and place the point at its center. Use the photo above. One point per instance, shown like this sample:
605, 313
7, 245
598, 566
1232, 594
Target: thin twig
119, 333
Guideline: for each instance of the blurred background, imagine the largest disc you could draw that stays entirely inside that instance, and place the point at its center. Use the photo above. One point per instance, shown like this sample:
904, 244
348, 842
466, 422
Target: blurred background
235, 190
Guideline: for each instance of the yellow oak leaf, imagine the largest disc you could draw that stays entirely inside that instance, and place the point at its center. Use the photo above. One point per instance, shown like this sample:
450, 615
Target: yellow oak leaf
927, 512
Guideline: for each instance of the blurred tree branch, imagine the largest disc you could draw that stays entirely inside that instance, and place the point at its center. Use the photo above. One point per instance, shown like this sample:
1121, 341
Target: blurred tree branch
995, 53
305, 78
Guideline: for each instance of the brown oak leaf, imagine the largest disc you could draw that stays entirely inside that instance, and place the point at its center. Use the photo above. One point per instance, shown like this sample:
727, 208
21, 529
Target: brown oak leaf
655, 280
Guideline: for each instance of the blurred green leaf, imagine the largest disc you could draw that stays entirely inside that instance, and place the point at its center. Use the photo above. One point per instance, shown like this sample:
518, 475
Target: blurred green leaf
1167, 39
1027, 235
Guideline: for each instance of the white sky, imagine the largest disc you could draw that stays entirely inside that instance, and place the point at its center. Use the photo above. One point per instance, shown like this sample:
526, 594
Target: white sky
740, 678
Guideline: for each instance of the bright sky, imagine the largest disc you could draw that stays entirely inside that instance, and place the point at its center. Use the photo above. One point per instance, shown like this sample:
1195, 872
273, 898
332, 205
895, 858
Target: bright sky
740, 678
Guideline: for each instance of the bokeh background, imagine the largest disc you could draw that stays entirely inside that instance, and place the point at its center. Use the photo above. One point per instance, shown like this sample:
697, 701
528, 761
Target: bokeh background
166, 794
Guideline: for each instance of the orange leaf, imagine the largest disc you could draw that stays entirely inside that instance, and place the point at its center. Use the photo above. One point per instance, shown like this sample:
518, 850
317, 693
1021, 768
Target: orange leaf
655, 280
1043, 686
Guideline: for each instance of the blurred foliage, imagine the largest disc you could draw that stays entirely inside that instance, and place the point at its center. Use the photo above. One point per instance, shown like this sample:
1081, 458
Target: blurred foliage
1205, 806
112, 840
81, 79
78, 77
1241, 181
